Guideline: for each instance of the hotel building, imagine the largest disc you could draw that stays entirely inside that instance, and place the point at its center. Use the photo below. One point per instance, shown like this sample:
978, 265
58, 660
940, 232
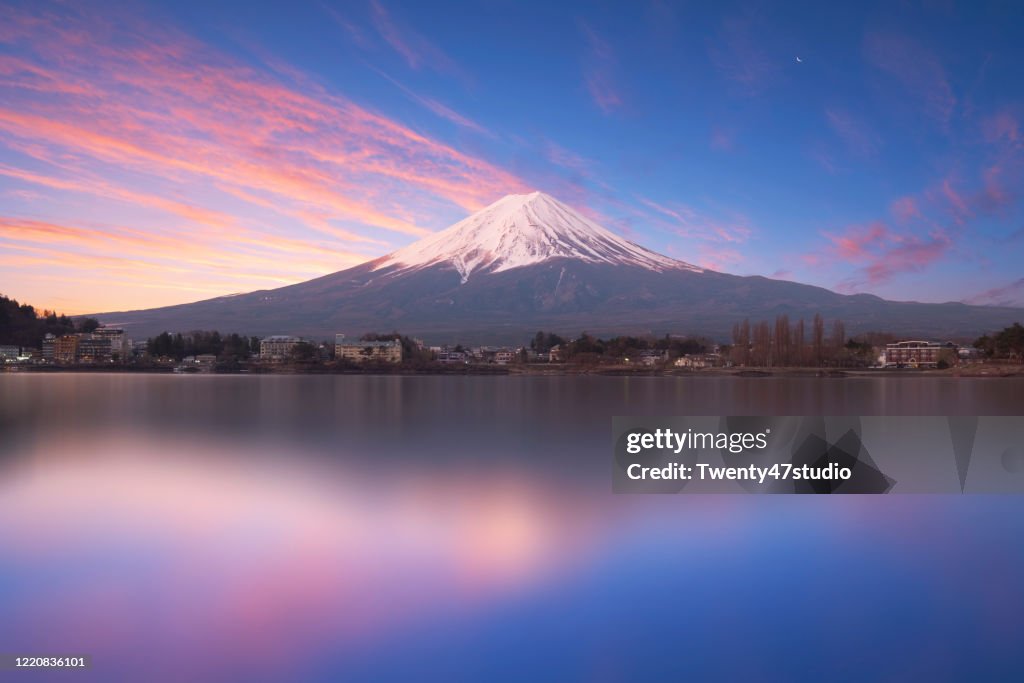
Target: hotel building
915, 354
278, 347
367, 351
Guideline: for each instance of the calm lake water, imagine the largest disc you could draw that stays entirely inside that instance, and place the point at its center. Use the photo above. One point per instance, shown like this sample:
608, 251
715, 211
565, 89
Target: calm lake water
194, 528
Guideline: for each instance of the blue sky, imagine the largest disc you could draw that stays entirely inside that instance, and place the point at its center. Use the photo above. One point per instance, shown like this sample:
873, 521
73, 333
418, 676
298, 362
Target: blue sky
160, 153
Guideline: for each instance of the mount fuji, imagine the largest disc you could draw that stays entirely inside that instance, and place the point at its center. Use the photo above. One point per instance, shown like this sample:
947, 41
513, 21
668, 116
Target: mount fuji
528, 263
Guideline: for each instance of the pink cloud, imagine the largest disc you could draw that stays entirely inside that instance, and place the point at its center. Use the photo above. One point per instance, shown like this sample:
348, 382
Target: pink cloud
917, 70
992, 190
995, 193
957, 203
1011, 294
717, 258
139, 115
598, 71
910, 254
714, 232
414, 48
905, 209
878, 253
857, 243
1001, 127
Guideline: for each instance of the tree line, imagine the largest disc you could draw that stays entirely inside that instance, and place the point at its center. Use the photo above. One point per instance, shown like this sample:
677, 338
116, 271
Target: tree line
588, 348
24, 325
795, 344
229, 347
1007, 343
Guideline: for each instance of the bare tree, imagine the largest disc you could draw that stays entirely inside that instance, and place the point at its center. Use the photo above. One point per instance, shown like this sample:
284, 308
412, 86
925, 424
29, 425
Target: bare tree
741, 343
838, 340
818, 339
780, 343
799, 352
762, 344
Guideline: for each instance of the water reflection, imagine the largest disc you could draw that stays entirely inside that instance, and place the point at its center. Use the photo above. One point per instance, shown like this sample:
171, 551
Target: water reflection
183, 528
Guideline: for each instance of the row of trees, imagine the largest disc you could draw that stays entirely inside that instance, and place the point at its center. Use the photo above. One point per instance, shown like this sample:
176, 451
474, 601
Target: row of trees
231, 347
1008, 343
24, 325
786, 344
588, 348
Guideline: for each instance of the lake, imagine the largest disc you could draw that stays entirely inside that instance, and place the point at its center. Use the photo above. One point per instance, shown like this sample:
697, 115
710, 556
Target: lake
463, 528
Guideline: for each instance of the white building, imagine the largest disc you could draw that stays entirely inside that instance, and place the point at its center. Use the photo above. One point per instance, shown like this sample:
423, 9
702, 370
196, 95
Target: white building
356, 351
116, 337
278, 346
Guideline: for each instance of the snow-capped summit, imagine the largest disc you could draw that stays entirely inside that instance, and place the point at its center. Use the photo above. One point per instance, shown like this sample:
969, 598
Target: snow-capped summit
521, 230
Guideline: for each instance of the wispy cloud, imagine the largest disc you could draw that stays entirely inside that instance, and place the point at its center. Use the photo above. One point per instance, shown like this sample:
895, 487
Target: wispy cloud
905, 209
1011, 294
918, 71
417, 51
717, 257
737, 51
599, 65
1002, 127
858, 136
878, 253
437, 108
143, 115
355, 34
687, 221
714, 240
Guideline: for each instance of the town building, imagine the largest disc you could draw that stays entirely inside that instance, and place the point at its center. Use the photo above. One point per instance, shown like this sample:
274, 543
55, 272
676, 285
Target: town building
65, 349
93, 349
699, 360
504, 356
916, 354
115, 335
278, 347
449, 356
203, 362
49, 344
356, 351
968, 353
9, 354
651, 358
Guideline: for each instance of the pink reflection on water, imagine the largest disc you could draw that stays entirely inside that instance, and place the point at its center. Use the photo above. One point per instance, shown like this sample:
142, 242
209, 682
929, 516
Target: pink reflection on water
157, 549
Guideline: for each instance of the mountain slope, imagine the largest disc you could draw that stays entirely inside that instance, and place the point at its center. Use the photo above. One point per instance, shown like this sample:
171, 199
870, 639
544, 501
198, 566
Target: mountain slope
529, 262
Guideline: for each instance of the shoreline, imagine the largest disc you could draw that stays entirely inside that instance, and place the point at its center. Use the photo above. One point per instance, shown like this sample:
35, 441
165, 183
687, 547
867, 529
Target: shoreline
549, 370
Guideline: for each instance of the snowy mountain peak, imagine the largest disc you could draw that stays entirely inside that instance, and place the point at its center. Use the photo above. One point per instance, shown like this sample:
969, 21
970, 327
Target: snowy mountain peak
521, 230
